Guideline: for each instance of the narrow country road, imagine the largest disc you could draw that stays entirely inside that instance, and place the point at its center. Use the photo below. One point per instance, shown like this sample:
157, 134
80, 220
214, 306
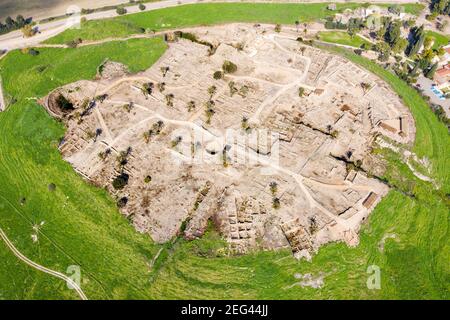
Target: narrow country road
56, 274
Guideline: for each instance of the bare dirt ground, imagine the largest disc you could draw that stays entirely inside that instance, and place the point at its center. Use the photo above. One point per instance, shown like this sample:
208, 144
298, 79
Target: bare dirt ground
275, 153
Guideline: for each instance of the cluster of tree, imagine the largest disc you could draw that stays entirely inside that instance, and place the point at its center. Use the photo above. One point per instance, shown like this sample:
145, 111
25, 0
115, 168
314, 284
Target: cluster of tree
438, 7
352, 26
441, 115
11, 24
417, 36
331, 24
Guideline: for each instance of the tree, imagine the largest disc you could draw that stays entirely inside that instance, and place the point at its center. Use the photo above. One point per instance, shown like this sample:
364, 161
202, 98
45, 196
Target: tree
276, 203
232, 87
301, 91
395, 9
147, 89
122, 202
273, 187
400, 45
417, 40
229, 67
191, 106
302, 50
382, 31
209, 112
28, 31
176, 141
431, 71
164, 70
120, 181
244, 123
146, 136
212, 91
121, 10
9, 22
169, 99
384, 50
428, 42
218, 75
365, 86
393, 32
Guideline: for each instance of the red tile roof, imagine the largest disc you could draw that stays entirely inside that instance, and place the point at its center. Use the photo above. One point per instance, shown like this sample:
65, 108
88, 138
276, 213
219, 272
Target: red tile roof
444, 71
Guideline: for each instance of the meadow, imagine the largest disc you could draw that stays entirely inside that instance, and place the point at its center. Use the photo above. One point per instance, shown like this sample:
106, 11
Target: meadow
205, 14
82, 225
342, 37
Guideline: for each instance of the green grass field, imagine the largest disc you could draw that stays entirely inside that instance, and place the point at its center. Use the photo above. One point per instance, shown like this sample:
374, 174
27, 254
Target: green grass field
439, 39
205, 14
83, 226
342, 37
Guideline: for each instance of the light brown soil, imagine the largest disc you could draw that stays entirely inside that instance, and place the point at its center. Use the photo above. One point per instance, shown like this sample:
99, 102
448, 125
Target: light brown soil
315, 142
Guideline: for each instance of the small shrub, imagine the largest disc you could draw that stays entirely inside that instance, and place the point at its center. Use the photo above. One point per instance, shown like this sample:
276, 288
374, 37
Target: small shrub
51, 187
33, 52
142, 7
74, 43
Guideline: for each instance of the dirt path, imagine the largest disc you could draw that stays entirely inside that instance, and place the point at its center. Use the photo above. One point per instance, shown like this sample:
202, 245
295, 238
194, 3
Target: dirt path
2, 98
36, 266
271, 99
242, 152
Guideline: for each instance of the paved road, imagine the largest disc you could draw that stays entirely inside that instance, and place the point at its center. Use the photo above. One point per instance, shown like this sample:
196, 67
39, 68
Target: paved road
15, 40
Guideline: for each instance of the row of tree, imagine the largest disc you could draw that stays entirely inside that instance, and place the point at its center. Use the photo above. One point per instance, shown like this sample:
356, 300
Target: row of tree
10, 24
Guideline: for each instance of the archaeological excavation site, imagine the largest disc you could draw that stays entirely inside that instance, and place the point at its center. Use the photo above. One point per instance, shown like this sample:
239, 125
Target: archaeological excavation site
268, 139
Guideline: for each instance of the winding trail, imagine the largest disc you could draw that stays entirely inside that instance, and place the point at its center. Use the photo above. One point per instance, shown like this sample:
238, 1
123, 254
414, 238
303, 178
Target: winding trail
36, 266
2, 97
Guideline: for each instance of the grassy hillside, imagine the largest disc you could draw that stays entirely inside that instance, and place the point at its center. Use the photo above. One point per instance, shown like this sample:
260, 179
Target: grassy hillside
83, 227
206, 14
81, 224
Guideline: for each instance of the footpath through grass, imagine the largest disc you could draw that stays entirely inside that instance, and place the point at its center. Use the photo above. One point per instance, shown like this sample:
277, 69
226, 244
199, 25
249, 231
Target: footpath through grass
83, 227
206, 14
